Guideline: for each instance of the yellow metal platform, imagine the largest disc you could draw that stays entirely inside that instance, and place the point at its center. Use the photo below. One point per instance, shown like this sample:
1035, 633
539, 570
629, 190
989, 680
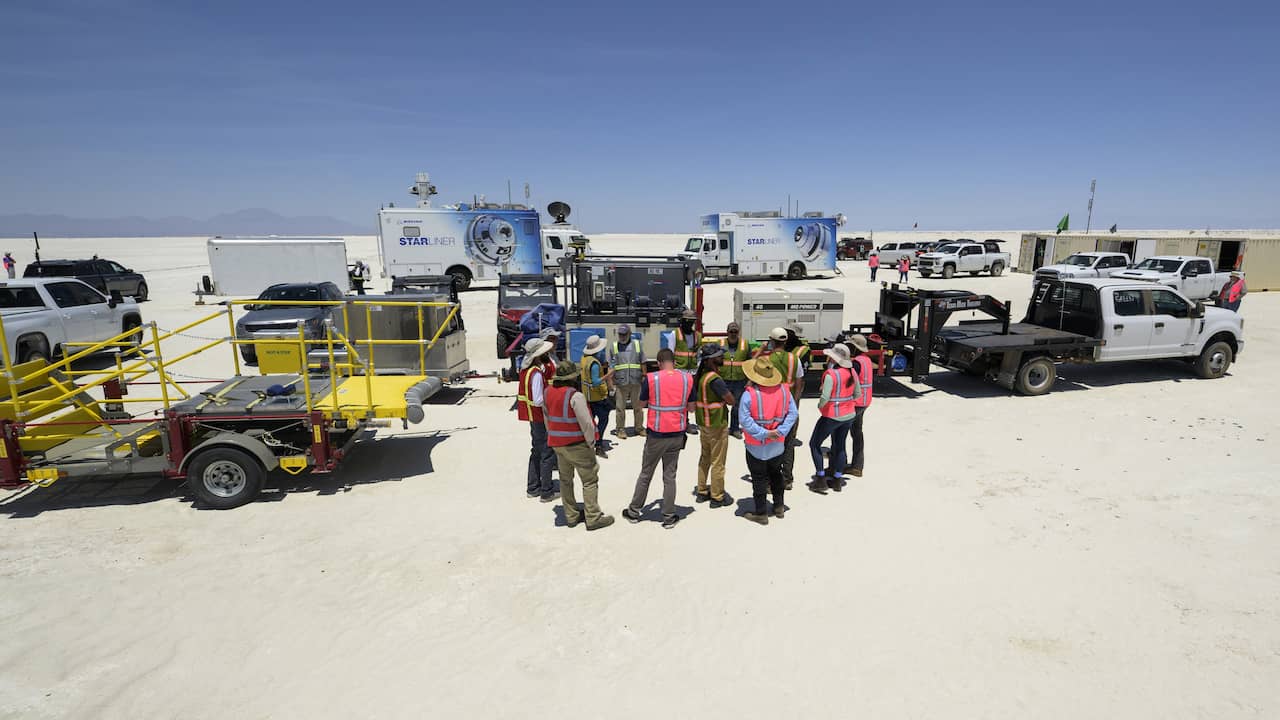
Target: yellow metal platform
357, 396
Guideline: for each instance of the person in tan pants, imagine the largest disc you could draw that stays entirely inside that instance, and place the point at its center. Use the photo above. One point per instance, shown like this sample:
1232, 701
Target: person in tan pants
712, 403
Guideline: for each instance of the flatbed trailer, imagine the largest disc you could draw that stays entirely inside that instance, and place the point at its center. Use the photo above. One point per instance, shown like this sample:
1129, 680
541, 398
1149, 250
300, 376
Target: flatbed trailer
58, 422
910, 334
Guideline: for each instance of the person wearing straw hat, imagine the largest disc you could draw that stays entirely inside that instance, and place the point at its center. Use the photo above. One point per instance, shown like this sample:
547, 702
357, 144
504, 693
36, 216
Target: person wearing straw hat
865, 371
667, 391
627, 358
596, 378
529, 403
571, 433
1233, 292
782, 353
767, 414
840, 390
711, 408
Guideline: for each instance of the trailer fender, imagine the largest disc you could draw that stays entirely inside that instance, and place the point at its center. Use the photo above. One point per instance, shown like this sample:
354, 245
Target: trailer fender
251, 445
1010, 363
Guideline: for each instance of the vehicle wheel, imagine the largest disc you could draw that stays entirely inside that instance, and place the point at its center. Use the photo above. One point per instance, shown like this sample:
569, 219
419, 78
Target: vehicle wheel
141, 295
796, 271
948, 271
1214, 360
133, 324
1036, 376
841, 255
461, 277
223, 478
996, 270
926, 273
973, 273
33, 353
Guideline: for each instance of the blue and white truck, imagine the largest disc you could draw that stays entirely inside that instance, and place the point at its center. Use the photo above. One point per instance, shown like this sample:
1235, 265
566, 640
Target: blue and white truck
470, 241
765, 244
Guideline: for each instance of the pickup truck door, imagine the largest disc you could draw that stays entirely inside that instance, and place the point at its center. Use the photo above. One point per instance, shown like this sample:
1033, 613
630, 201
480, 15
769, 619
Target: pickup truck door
710, 254
1173, 328
971, 258
1127, 325
1197, 279
79, 319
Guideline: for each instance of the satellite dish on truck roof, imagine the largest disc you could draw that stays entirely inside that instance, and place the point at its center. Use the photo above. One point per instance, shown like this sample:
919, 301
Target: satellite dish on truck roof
558, 210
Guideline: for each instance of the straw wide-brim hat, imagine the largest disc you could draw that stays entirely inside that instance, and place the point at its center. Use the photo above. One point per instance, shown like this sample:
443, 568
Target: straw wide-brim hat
840, 353
762, 372
858, 342
537, 348
595, 344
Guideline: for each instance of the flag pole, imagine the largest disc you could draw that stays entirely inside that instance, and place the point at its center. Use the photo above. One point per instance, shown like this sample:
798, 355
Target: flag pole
1093, 186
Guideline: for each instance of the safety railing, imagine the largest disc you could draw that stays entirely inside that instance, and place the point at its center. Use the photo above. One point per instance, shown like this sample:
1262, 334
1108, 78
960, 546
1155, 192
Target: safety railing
139, 353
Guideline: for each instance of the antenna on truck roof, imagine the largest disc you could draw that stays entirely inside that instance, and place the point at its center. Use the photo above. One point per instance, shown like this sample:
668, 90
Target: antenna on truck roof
558, 210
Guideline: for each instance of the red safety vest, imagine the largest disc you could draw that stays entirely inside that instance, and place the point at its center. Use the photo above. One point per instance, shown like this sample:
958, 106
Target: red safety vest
668, 396
562, 424
769, 409
873, 261
841, 400
866, 373
904, 264
525, 409
1233, 293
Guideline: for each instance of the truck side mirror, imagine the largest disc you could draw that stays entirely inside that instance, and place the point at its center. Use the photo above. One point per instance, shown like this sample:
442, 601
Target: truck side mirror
1197, 310
114, 298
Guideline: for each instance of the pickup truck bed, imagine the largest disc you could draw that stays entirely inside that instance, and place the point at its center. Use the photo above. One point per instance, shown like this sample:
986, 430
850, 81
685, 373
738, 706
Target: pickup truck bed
987, 335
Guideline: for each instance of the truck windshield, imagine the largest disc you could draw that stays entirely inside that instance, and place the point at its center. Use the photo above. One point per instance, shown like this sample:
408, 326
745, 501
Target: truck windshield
1079, 260
19, 297
694, 245
1164, 266
947, 249
536, 293
304, 293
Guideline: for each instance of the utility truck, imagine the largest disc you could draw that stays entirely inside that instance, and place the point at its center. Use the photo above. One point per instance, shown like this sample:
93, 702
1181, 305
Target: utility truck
1192, 276
1084, 265
765, 244
959, 256
1079, 321
44, 318
470, 241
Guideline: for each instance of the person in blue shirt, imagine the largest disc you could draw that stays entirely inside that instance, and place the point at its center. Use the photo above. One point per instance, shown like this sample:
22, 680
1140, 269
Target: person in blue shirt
766, 415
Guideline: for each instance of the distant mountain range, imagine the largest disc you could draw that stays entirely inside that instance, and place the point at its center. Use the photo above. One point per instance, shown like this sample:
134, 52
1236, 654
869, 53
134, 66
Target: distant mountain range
254, 221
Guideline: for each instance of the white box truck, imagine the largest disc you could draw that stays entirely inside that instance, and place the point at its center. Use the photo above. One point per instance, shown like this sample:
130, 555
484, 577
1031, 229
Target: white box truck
245, 266
470, 241
765, 243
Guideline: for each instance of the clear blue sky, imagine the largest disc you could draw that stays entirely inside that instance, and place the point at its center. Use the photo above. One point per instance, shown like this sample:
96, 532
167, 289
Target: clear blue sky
644, 115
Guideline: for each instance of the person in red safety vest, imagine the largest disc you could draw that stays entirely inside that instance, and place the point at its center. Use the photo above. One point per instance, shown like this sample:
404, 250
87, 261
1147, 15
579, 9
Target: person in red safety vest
533, 379
873, 262
571, 432
1233, 291
667, 392
836, 405
865, 370
766, 415
904, 267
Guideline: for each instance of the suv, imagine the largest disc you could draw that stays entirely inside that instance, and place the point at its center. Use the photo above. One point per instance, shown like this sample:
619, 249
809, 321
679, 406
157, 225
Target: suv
891, 252
104, 275
280, 321
853, 248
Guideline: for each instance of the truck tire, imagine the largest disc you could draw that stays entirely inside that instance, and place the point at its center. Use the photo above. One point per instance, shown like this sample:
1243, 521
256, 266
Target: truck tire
997, 269
222, 478
1036, 376
948, 271
796, 271
973, 273
141, 295
842, 255
33, 352
926, 273
132, 323
1214, 360
461, 277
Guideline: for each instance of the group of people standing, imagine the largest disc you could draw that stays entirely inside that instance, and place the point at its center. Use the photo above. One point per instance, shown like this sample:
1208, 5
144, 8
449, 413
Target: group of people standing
716, 390
904, 266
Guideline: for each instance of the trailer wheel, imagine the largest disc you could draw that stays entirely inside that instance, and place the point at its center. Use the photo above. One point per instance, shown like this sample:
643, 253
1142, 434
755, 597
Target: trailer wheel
223, 477
461, 277
796, 271
948, 271
997, 269
1036, 376
1214, 360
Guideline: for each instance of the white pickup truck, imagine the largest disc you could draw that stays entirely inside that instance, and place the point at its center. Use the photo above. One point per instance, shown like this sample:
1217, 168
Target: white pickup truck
1192, 276
1085, 265
41, 315
970, 257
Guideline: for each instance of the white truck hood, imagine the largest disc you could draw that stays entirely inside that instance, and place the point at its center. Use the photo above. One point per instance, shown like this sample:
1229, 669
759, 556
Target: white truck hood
1068, 270
935, 256
1147, 275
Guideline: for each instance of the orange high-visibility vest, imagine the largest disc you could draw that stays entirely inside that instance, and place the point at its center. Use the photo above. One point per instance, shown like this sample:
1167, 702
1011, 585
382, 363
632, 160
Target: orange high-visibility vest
769, 409
841, 400
1233, 294
866, 374
668, 396
873, 261
525, 409
562, 424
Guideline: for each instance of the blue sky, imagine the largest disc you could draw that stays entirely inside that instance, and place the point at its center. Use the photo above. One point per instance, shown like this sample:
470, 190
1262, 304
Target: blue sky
644, 116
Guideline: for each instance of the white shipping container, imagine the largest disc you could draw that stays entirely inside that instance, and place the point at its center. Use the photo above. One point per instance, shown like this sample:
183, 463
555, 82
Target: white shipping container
819, 312
245, 266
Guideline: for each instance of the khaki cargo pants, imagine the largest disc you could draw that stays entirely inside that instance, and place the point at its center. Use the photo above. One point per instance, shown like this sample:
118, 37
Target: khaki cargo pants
580, 457
715, 447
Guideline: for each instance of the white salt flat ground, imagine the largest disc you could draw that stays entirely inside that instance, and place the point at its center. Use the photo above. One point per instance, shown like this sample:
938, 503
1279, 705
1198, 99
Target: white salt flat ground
1109, 550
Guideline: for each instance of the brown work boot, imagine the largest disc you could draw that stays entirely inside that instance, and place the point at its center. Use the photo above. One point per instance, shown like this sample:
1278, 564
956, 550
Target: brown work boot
856, 472
642, 432
779, 511
757, 518
622, 433
605, 521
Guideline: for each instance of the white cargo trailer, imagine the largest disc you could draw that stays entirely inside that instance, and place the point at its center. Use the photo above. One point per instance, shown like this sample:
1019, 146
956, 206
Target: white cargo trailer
245, 266
819, 312
765, 243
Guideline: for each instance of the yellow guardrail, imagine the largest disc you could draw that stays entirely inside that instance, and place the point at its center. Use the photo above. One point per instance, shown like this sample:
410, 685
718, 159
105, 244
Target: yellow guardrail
139, 353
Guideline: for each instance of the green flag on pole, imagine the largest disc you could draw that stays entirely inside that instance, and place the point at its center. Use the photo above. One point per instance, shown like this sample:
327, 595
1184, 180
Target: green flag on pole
1064, 224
